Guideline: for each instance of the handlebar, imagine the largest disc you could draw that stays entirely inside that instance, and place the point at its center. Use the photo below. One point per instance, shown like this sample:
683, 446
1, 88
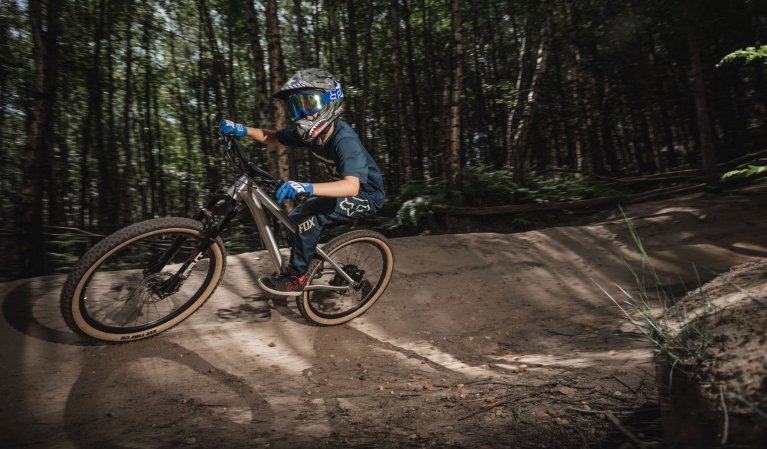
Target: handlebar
246, 164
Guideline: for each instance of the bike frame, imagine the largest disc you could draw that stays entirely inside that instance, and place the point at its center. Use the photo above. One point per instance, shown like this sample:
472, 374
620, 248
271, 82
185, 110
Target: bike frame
258, 202
243, 190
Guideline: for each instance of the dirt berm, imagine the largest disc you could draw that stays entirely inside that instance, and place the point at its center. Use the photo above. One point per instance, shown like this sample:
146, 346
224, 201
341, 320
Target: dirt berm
481, 340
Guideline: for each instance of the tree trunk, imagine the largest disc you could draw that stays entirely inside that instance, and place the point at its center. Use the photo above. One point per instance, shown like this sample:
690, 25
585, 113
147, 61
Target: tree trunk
317, 35
454, 180
127, 201
300, 21
415, 97
106, 144
353, 63
257, 53
279, 153
362, 131
403, 125
159, 149
513, 118
31, 248
433, 98
149, 135
186, 129
201, 97
700, 94
219, 67
519, 142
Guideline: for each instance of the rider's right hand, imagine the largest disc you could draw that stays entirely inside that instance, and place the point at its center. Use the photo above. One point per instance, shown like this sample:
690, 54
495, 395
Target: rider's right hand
230, 127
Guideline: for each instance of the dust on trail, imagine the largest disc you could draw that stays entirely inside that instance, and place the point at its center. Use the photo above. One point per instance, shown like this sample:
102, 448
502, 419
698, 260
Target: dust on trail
481, 340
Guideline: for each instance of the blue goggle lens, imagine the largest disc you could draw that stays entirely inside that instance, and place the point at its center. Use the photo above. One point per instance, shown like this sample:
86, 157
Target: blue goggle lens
305, 104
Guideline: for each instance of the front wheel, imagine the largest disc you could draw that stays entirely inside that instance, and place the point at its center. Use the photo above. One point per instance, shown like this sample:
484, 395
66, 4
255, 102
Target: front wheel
328, 299
118, 291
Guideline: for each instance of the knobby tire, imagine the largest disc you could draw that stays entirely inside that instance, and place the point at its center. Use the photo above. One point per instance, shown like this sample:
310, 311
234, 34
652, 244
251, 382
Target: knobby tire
345, 250
93, 278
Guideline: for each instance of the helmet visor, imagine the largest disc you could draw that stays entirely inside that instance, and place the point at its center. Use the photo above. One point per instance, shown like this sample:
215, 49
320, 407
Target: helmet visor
305, 104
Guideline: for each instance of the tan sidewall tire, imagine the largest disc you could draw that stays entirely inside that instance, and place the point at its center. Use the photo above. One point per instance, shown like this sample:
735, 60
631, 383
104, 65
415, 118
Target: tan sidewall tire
80, 324
365, 236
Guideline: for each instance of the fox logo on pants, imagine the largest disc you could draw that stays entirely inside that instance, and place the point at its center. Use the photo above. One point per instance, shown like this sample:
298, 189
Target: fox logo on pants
354, 205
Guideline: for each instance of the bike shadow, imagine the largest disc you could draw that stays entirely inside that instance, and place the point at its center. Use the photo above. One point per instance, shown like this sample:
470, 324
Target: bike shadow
259, 305
32, 308
143, 394
158, 392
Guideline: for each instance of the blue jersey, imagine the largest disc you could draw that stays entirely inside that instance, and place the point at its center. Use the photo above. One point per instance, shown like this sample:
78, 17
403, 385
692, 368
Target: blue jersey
343, 155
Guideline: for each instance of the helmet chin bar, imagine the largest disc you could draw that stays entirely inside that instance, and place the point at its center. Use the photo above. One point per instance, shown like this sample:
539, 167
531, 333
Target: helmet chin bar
311, 130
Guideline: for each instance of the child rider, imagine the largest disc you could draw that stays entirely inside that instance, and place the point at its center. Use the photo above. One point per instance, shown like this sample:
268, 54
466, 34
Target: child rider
314, 101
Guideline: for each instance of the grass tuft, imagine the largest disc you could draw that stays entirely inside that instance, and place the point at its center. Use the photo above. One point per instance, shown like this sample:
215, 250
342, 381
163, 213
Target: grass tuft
676, 334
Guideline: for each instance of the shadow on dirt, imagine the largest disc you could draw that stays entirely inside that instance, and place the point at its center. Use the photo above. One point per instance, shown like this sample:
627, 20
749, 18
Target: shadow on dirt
37, 316
162, 395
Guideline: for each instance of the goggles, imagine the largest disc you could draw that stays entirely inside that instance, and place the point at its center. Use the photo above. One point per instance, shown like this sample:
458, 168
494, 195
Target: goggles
305, 104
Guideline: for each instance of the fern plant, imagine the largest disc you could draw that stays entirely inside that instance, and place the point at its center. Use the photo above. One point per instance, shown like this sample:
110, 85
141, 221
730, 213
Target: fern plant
748, 54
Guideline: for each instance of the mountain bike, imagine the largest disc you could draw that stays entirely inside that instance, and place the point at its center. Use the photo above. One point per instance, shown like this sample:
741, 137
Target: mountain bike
150, 276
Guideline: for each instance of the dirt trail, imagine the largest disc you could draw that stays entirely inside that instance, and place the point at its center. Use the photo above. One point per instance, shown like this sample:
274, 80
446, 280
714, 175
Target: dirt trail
482, 340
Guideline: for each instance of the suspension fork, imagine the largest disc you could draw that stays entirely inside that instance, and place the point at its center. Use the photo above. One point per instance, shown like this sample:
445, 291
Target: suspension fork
210, 231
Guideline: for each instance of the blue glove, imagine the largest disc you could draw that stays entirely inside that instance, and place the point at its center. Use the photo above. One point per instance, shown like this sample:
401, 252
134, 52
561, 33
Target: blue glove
291, 189
230, 127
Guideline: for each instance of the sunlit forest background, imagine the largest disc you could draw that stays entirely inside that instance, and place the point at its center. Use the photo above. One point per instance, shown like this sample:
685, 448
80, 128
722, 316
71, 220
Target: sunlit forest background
109, 107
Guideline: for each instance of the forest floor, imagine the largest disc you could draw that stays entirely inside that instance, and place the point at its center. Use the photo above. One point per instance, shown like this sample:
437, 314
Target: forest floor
482, 340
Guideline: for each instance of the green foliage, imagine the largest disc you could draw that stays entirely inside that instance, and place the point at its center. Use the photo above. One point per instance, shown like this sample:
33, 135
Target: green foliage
140, 87
747, 54
419, 199
560, 187
484, 187
750, 170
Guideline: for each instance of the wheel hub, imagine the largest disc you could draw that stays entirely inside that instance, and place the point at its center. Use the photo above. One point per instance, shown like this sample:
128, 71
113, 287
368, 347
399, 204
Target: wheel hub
353, 271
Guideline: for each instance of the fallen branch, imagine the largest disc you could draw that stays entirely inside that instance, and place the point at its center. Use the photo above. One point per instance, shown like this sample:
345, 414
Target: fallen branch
753, 407
625, 384
624, 430
509, 384
409, 395
489, 407
594, 412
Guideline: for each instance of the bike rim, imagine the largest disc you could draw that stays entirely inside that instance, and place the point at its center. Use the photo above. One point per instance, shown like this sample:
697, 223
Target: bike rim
117, 299
357, 256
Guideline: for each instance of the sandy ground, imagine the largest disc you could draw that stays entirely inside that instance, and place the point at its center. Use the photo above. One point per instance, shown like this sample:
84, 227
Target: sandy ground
481, 340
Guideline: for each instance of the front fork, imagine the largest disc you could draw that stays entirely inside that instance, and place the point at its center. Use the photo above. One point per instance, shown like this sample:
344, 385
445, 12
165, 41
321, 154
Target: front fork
211, 229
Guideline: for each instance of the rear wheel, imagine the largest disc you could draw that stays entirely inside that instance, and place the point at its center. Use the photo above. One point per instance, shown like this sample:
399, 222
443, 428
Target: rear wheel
367, 258
113, 295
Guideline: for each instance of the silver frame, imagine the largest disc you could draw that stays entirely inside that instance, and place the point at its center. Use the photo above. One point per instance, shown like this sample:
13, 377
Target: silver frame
258, 202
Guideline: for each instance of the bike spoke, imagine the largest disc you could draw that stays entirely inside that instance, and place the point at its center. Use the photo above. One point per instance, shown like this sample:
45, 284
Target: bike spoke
119, 296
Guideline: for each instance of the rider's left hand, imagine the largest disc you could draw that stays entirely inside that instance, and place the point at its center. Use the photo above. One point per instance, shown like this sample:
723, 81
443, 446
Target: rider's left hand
291, 189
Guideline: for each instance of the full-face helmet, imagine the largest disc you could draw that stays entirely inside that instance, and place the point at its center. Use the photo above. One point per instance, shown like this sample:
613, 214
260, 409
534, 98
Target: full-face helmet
314, 93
